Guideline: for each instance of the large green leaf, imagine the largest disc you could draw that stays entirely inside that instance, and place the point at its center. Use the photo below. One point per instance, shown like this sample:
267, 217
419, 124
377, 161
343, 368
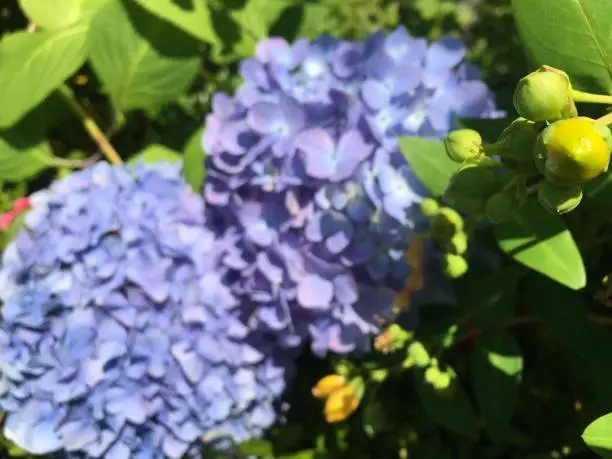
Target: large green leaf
20, 158
497, 364
193, 17
33, 65
429, 162
598, 436
587, 343
57, 14
573, 35
193, 162
542, 242
142, 61
450, 408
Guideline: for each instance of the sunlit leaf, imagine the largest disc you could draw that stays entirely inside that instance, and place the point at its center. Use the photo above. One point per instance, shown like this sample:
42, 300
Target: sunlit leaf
542, 242
429, 162
142, 61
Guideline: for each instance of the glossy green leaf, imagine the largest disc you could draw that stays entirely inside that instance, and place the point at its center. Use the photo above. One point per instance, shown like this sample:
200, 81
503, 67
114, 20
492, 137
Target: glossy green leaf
19, 161
193, 17
24, 149
587, 343
429, 162
497, 364
450, 408
573, 35
598, 436
141, 60
194, 168
156, 153
33, 65
58, 14
542, 242
489, 298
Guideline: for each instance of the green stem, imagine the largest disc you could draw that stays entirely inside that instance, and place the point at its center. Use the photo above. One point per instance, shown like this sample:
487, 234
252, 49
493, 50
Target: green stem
73, 163
605, 120
580, 96
90, 126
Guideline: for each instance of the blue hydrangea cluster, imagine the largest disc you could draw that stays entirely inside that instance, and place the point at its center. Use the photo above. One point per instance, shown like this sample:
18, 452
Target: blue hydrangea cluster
304, 168
120, 337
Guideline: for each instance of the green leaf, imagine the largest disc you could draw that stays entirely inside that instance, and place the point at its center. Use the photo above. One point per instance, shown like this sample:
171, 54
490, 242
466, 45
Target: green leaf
542, 242
573, 35
193, 17
307, 454
19, 159
301, 19
34, 65
497, 364
489, 298
59, 13
429, 162
450, 408
240, 24
141, 60
258, 447
598, 436
156, 153
588, 343
194, 155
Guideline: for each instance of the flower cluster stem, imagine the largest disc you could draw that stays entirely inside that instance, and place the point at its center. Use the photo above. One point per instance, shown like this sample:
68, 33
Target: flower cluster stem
581, 96
90, 126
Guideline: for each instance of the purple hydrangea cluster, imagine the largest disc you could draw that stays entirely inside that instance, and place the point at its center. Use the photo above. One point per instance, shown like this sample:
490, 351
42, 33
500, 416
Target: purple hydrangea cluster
120, 337
304, 169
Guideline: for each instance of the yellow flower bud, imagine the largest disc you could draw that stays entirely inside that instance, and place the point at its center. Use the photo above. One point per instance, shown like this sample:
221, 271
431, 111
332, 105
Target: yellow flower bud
572, 151
327, 385
341, 404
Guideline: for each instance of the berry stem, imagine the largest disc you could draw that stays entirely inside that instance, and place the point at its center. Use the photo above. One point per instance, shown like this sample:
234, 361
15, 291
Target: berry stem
606, 120
581, 96
90, 126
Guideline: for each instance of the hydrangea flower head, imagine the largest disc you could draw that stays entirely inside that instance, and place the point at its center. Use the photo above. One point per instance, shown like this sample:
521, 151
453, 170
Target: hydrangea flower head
119, 336
303, 165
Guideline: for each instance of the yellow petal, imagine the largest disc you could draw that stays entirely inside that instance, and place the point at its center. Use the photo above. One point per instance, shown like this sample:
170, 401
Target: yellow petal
341, 404
327, 385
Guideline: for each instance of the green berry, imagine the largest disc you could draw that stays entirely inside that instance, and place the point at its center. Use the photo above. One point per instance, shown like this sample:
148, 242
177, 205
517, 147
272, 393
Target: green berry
559, 199
545, 95
454, 266
463, 145
516, 142
429, 207
458, 244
